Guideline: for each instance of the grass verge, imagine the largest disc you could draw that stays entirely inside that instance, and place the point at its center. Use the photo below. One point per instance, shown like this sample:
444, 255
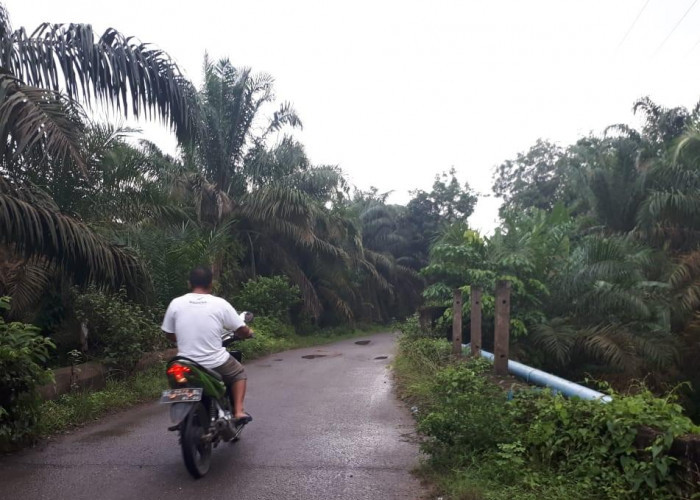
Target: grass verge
80, 407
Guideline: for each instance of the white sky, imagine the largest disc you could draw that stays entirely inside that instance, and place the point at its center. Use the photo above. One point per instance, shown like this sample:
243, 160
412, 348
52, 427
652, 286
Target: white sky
396, 91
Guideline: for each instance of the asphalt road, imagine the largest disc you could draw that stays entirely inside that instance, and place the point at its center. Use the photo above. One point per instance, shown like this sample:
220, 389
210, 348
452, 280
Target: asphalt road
326, 427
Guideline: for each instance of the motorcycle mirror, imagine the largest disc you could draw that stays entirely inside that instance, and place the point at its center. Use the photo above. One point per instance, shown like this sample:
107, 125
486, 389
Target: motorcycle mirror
247, 317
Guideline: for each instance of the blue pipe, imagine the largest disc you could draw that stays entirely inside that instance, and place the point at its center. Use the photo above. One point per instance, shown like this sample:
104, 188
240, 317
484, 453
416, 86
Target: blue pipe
544, 379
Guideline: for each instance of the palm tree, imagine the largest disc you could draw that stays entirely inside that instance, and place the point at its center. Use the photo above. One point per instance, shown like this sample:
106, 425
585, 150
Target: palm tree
608, 309
669, 218
230, 101
44, 78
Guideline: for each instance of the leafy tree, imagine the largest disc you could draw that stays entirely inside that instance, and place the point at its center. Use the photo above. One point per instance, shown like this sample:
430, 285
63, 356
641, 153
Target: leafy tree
427, 213
532, 180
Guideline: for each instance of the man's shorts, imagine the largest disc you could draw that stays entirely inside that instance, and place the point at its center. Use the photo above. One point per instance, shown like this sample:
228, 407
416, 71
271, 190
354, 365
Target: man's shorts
231, 371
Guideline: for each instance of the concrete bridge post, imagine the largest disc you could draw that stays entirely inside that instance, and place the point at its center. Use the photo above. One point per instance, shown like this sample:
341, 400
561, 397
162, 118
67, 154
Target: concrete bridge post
475, 321
502, 328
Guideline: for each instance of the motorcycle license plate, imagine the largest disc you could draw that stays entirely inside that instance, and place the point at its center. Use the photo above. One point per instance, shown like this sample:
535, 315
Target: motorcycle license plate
181, 395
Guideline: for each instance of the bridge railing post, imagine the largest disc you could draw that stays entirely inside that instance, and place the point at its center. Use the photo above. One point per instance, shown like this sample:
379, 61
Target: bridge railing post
457, 322
502, 328
475, 321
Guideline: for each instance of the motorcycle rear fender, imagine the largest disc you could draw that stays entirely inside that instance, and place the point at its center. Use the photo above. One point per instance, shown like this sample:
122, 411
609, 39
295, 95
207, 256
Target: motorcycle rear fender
178, 411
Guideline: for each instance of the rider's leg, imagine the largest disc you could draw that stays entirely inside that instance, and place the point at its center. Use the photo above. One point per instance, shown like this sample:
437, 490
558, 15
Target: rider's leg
238, 393
235, 377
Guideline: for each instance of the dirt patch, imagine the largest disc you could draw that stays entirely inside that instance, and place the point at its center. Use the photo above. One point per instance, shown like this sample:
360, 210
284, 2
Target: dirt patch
363, 342
381, 357
314, 356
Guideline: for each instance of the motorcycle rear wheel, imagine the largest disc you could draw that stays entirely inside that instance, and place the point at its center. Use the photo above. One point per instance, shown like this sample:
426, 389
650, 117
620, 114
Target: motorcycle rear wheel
195, 451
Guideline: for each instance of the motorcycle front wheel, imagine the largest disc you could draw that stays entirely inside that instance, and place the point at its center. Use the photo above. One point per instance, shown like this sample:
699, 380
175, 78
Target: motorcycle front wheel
195, 450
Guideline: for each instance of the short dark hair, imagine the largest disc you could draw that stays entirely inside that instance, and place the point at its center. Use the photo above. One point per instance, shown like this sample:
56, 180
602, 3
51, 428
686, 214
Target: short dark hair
200, 276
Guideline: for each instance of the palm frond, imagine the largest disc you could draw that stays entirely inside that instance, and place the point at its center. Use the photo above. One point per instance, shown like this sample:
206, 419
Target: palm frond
137, 78
39, 232
284, 116
610, 345
30, 116
338, 302
24, 280
556, 338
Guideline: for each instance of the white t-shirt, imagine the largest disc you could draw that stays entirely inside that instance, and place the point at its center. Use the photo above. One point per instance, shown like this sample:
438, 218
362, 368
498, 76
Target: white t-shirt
198, 321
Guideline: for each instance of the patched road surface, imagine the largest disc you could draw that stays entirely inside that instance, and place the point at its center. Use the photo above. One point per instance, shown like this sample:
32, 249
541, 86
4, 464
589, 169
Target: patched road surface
326, 426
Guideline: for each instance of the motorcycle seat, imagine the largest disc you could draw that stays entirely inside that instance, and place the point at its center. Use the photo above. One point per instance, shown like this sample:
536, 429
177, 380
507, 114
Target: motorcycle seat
210, 372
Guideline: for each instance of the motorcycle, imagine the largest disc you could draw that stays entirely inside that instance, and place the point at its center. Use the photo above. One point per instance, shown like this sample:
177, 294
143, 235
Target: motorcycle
201, 408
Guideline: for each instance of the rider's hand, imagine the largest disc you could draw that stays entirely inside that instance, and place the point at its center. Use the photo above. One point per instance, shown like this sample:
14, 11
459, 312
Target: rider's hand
244, 332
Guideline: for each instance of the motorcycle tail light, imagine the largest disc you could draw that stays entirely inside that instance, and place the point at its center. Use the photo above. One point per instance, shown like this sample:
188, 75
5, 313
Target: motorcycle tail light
178, 372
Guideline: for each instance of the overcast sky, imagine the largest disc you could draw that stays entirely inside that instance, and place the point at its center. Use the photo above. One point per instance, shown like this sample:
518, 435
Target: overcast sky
396, 91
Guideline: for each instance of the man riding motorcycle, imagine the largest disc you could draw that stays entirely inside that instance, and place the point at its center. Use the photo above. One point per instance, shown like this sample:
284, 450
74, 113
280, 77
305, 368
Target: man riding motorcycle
196, 321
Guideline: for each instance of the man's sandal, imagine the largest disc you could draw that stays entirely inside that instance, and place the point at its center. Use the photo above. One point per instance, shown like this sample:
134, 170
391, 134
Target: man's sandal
243, 420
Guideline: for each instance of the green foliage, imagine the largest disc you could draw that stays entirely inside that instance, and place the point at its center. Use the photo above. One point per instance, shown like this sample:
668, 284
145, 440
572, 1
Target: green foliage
598, 444
271, 297
539, 441
536, 179
120, 331
458, 257
264, 342
273, 327
23, 352
411, 329
422, 354
464, 407
448, 202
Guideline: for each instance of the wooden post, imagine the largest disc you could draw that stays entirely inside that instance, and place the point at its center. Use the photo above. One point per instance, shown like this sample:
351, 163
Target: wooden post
475, 320
457, 323
502, 328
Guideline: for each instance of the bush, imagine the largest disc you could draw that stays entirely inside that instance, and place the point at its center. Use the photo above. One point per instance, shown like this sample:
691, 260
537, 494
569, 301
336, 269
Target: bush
425, 355
422, 350
23, 351
467, 414
411, 329
272, 297
272, 327
119, 330
271, 335
597, 444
